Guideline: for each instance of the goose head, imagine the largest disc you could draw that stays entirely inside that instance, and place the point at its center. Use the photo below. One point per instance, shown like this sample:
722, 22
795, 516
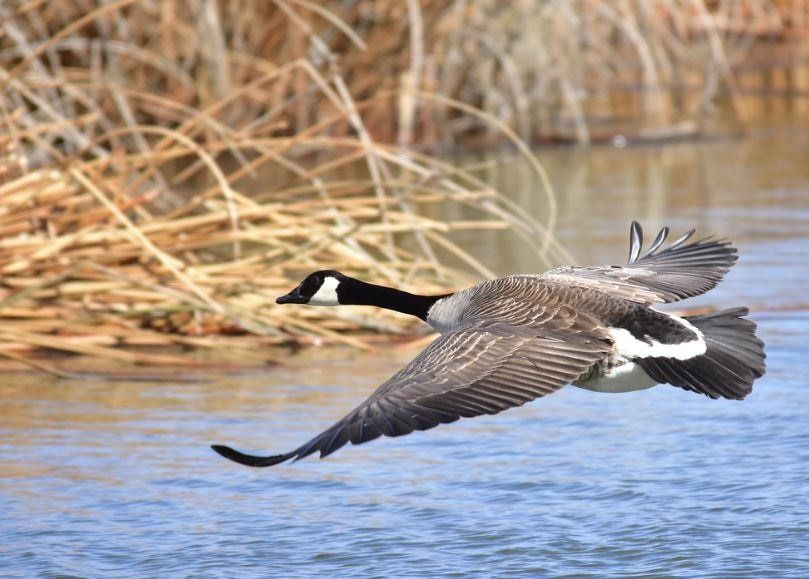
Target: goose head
331, 288
320, 288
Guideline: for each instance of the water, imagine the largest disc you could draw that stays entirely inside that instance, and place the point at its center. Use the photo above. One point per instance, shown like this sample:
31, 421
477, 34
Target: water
116, 479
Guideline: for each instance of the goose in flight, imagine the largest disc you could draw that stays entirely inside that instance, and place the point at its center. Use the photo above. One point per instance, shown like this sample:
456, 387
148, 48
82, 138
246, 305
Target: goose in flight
507, 341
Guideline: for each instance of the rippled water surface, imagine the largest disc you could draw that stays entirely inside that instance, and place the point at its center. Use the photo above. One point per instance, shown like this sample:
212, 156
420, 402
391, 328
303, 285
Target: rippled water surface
116, 479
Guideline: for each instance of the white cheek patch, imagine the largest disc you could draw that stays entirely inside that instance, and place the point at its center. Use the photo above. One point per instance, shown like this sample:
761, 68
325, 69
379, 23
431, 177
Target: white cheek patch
628, 346
326, 295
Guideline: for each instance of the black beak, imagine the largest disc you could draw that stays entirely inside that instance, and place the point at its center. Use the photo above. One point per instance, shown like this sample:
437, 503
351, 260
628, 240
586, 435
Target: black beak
293, 297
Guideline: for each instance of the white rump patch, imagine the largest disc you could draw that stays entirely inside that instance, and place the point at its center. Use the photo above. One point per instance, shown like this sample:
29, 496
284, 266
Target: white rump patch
628, 346
326, 295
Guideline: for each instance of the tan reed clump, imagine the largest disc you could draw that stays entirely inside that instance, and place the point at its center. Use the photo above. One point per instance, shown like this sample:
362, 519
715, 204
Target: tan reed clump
152, 192
167, 168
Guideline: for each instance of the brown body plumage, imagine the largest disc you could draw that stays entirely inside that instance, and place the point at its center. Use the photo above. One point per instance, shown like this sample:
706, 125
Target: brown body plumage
510, 340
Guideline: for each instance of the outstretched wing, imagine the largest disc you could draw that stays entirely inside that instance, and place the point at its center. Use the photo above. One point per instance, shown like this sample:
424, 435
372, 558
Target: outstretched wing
478, 369
677, 272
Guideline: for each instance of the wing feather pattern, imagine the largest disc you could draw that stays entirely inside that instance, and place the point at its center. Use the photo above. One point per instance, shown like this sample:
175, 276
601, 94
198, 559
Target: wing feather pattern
482, 368
677, 272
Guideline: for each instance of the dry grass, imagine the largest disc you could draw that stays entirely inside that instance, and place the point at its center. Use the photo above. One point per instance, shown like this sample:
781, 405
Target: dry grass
152, 192
167, 168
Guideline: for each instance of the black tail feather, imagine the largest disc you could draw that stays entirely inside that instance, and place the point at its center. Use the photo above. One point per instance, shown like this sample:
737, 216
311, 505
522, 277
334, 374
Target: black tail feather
734, 358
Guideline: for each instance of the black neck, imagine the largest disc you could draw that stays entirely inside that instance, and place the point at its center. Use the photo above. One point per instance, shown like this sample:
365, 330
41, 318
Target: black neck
360, 293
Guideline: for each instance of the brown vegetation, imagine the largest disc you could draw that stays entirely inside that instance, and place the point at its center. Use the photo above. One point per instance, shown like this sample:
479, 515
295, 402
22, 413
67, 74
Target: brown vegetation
168, 168
153, 193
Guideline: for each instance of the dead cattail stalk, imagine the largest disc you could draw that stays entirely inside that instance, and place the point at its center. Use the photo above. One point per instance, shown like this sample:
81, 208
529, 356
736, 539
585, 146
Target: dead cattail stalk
162, 180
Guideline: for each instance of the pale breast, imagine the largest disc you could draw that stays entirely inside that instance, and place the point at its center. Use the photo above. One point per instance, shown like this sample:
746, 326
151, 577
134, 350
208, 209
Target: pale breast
446, 314
627, 377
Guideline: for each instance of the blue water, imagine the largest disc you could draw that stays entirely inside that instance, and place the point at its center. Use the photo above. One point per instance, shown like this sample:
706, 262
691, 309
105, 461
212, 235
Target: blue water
116, 479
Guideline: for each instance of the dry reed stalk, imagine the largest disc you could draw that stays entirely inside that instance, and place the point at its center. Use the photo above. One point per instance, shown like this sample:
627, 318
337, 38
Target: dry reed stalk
125, 212
162, 179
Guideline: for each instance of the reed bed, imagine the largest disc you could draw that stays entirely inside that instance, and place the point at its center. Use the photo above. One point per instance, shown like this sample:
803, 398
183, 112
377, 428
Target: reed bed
167, 168
152, 193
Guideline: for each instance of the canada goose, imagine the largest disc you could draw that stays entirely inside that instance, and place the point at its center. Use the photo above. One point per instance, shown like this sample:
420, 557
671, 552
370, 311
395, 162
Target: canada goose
510, 340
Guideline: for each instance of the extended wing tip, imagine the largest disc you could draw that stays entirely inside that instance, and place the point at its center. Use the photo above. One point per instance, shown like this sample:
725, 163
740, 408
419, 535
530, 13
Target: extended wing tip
635, 241
249, 459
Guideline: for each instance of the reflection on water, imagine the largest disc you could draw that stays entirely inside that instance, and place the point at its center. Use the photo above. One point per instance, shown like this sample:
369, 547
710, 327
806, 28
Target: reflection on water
753, 190
116, 478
